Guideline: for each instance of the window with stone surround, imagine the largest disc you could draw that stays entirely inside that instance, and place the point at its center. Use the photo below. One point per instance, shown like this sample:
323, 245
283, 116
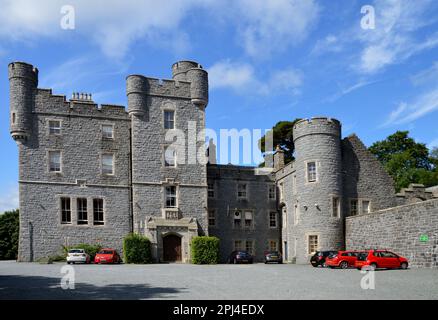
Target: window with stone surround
107, 131
82, 211
54, 127
336, 207
354, 207
272, 192
108, 163
238, 245
98, 214
273, 245
210, 189
169, 119
249, 219
211, 218
169, 156
273, 219
65, 210
311, 171
237, 219
55, 161
171, 197
241, 190
312, 244
366, 206
249, 246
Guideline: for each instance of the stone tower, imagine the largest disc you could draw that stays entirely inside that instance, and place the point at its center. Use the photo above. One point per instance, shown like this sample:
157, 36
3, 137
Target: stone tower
169, 197
317, 215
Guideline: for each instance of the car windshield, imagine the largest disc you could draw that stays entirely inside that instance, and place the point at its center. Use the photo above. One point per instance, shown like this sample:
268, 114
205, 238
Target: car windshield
106, 252
76, 251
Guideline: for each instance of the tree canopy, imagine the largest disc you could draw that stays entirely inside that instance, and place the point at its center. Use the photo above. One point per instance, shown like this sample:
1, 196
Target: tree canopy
9, 224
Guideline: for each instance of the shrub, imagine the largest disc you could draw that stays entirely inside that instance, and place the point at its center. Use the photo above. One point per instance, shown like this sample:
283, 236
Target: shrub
90, 249
136, 249
9, 227
205, 250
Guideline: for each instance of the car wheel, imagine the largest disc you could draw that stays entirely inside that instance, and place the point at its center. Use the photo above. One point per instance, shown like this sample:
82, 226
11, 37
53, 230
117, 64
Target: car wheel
314, 265
235, 261
324, 265
373, 266
404, 265
344, 265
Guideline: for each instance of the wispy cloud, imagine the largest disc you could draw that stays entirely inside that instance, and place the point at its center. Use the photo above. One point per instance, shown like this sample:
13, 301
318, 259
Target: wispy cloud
347, 90
242, 78
9, 199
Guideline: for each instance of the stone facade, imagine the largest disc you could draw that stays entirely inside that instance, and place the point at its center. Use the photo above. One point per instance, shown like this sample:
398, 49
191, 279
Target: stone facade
93, 173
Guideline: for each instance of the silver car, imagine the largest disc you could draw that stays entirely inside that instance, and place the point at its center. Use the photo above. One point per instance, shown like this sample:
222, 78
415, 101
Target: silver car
77, 256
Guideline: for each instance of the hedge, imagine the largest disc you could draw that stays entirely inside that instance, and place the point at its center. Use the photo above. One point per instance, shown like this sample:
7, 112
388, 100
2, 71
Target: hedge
136, 249
205, 250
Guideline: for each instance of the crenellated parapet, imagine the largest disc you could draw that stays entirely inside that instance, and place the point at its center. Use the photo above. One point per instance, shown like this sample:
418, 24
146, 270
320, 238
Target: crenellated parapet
317, 125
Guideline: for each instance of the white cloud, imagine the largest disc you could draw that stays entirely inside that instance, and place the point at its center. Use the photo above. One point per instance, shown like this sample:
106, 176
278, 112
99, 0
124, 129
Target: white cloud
9, 199
330, 43
242, 78
344, 91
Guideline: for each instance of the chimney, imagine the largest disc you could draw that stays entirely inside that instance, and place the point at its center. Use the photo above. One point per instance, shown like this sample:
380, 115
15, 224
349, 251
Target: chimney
278, 158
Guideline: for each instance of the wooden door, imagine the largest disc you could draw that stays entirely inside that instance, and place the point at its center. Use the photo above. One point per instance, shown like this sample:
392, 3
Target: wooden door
172, 248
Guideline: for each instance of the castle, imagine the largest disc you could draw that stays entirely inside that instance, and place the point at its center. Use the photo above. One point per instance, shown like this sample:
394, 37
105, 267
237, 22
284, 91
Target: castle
93, 173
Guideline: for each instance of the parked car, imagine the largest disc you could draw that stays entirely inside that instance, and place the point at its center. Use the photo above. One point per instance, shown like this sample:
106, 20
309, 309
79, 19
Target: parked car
318, 259
384, 259
273, 256
77, 256
342, 259
107, 256
240, 257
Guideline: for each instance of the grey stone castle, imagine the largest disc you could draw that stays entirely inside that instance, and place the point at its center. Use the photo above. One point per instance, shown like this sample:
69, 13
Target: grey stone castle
93, 173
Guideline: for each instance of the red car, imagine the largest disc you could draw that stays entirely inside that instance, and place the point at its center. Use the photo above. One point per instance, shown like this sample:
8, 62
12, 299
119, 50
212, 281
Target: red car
343, 259
381, 259
107, 256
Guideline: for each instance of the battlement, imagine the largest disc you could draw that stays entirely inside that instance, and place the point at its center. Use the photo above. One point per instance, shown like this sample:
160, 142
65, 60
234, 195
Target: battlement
25, 70
180, 68
317, 125
153, 86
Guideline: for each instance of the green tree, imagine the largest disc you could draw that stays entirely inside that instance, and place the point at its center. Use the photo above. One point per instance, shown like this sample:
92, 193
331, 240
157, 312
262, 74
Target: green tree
405, 160
9, 226
282, 137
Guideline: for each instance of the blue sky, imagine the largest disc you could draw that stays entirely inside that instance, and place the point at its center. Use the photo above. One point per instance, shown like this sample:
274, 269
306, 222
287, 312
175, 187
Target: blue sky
267, 60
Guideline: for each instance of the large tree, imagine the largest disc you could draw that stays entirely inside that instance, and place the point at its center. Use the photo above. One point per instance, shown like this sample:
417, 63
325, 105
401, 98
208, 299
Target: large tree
282, 137
9, 225
405, 160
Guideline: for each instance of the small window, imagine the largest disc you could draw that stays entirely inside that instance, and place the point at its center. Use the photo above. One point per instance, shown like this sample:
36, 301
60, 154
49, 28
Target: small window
311, 171
249, 246
210, 190
55, 127
271, 192
107, 131
82, 211
55, 161
211, 218
281, 189
365, 206
98, 211
336, 207
273, 245
237, 219
294, 182
296, 214
108, 163
169, 157
171, 197
13, 118
313, 244
241, 191
237, 245
169, 119
65, 211
273, 219
353, 207
248, 219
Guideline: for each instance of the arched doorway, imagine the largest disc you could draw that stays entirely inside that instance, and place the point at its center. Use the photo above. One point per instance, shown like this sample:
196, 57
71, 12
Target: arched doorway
171, 248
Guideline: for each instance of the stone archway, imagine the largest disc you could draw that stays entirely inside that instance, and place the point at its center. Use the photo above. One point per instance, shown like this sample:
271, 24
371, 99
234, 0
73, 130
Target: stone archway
172, 248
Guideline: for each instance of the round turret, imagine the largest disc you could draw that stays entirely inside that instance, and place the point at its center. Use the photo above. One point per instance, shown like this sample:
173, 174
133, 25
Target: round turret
198, 79
137, 87
180, 68
318, 166
23, 81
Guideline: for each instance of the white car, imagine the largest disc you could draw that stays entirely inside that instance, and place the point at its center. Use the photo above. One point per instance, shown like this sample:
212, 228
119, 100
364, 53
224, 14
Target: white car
77, 255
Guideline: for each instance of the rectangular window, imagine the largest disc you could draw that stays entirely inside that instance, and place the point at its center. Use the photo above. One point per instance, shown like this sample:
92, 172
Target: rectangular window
273, 219
237, 245
169, 119
313, 244
336, 207
107, 163
271, 192
353, 207
55, 161
296, 214
248, 219
311, 171
107, 131
169, 157
241, 190
249, 246
237, 219
273, 245
365, 206
281, 188
98, 211
211, 218
82, 211
210, 190
13, 117
54, 127
171, 197
65, 210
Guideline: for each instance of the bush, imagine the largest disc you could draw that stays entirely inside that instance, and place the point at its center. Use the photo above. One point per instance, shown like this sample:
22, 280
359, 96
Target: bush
9, 227
205, 250
136, 249
90, 249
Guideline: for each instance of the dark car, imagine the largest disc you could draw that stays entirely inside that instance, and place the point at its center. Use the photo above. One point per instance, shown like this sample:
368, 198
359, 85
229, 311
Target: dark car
273, 256
240, 257
318, 259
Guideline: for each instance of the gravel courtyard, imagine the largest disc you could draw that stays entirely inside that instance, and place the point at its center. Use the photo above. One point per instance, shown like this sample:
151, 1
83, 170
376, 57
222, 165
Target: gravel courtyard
222, 282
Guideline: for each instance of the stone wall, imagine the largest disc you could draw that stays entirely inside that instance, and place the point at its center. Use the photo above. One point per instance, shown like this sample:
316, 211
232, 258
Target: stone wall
398, 229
